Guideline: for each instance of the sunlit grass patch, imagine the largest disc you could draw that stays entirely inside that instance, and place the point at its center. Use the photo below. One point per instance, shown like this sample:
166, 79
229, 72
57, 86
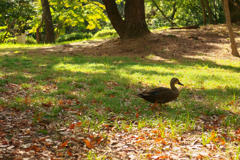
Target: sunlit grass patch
100, 92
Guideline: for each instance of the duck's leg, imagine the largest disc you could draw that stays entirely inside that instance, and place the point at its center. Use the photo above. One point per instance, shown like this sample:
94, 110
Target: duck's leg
154, 106
160, 108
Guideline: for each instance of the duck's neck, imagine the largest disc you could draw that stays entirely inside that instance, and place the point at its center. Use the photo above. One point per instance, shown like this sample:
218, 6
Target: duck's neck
173, 87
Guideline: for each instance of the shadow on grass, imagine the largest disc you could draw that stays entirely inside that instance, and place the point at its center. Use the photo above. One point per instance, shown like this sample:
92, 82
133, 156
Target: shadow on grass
112, 85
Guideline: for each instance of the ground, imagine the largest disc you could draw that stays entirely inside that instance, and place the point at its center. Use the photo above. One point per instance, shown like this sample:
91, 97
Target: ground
121, 138
206, 43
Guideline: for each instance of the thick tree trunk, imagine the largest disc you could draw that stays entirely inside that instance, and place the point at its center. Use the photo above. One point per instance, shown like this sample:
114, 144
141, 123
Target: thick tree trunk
204, 13
234, 11
114, 16
238, 2
49, 37
209, 12
134, 24
228, 20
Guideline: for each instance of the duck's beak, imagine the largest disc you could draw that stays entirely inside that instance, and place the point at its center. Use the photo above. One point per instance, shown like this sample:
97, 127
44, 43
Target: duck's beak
180, 84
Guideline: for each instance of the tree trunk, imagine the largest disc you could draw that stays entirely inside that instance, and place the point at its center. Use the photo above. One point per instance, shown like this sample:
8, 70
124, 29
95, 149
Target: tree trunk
215, 10
209, 12
234, 11
37, 31
204, 13
228, 20
134, 24
49, 37
9, 26
58, 26
162, 12
238, 2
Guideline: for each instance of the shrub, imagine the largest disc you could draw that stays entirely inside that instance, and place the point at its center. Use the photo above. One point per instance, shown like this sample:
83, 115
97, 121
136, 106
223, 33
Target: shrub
11, 40
74, 36
106, 33
29, 40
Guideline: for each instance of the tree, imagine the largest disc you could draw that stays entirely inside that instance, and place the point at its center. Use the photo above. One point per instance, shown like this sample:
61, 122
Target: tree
174, 6
82, 14
234, 8
209, 12
15, 11
134, 24
69, 15
47, 17
38, 31
204, 12
228, 20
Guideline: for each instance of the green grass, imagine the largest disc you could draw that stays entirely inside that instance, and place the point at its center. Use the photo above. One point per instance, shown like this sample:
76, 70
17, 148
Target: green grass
214, 84
104, 86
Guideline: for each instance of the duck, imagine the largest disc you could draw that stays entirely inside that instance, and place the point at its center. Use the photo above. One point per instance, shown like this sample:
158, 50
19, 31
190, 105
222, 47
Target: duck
162, 94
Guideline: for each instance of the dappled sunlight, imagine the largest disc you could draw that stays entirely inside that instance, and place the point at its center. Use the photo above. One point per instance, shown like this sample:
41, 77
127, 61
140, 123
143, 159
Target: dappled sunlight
22, 46
101, 91
63, 84
28, 75
159, 58
84, 68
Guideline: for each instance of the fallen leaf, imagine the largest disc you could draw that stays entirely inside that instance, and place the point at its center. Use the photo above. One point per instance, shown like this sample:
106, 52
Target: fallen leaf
137, 115
64, 144
69, 153
88, 144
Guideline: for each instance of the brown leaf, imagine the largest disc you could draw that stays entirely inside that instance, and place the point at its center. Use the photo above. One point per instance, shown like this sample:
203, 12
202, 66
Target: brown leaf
72, 126
99, 140
137, 115
88, 143
64, 144
60, 102
78, 124
69, 153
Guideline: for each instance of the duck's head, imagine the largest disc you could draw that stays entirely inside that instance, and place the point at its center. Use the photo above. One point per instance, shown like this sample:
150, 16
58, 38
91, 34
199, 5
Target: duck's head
176, 81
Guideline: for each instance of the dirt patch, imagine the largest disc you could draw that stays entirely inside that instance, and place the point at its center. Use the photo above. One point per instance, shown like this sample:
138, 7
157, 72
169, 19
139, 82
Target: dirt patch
208, 42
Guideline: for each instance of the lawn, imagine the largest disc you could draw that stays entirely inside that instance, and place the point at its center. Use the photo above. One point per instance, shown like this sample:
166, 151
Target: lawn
64, 105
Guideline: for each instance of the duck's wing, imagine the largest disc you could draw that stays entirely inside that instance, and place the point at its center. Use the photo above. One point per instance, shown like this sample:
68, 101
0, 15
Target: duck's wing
156, 91
161, 95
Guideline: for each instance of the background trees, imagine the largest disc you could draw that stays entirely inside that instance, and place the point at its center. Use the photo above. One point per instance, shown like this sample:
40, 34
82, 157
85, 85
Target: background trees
48, 20
14, 15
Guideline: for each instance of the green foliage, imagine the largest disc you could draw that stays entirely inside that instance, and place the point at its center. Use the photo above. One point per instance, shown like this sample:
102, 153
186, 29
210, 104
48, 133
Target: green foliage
189, 12
82, 15
74, 36
106, 33
11, 40
30, 40
2, 36
16, 10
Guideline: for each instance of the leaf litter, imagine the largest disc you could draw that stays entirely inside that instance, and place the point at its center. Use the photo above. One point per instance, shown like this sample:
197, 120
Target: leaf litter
21, 137
33, 134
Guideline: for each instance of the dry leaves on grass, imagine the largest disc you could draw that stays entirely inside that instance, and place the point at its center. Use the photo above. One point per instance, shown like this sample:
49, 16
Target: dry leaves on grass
19, 137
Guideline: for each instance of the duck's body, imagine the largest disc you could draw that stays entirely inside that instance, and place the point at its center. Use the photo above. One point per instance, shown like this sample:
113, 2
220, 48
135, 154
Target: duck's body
162, 94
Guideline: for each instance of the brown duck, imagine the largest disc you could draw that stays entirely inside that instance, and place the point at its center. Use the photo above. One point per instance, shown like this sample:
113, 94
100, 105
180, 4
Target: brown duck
162, 94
